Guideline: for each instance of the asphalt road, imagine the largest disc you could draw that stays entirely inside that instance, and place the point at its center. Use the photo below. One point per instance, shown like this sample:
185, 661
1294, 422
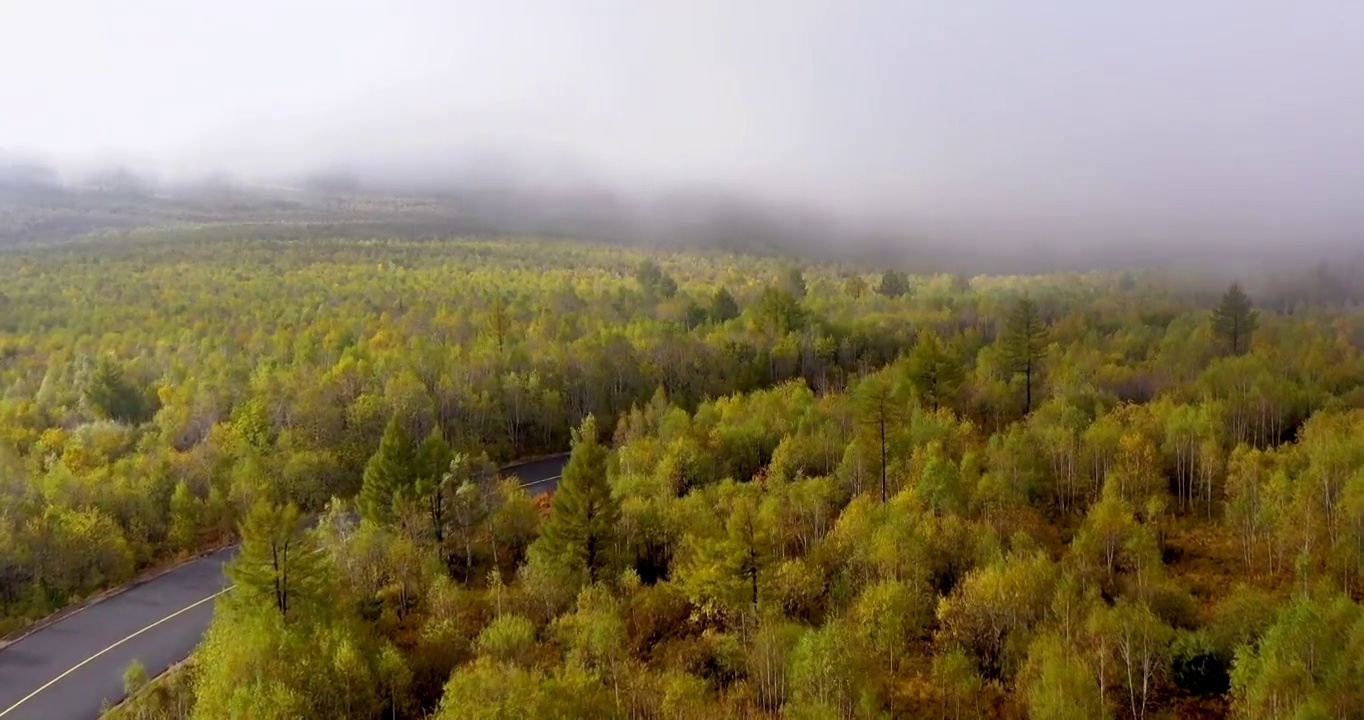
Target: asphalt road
67, 670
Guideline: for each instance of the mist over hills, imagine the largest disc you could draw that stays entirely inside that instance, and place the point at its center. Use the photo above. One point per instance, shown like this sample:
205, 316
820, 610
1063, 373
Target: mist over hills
41, 204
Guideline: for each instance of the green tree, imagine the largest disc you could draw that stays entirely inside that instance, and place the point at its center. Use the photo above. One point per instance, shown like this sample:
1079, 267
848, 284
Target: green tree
934, 373
959, 684
1307, 663
854, 286
1234, 321
722, 306
879, 410
793, 282
894, 283
654, 281
1059, 685
280, 564
499, 324
581, 530
1022, 344
991, 612
112, 396
890, 615
508, 639
777, 312
390, 470
826, 674
725, 573
186, 519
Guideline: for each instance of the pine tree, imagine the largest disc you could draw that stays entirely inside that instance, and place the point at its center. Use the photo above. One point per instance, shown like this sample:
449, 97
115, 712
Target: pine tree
793, 281
933, 372
878, 409
654, 281
893, 284
433, 456
280, 564
722, 306
1235, 320
1022, 343
390, 469
581, 528
749, 544
111, 396
499, 324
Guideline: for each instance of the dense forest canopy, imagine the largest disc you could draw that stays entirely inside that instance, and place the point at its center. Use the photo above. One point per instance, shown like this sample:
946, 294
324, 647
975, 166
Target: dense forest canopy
796, 489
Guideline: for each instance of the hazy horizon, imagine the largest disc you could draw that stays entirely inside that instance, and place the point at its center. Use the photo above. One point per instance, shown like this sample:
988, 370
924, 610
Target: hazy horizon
1076, 123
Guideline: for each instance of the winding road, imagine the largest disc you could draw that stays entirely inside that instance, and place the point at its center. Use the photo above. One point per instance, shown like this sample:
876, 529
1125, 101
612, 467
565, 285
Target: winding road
69, 669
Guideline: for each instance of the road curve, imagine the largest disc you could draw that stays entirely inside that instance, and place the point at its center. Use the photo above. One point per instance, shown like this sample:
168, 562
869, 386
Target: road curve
68, 669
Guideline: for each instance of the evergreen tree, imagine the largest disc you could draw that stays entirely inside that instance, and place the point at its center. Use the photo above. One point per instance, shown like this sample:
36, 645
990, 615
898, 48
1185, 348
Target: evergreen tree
778, 312
111, 396
793, 282
748, 542
654, 281
499, 324
432, 458
280, 564
893, 284
878, 409
722, 306
1234, 321
581, 529
1022, 344
933, 372
390, 469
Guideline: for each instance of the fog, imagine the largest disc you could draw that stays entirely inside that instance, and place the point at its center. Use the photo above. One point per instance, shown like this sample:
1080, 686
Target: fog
1000, 123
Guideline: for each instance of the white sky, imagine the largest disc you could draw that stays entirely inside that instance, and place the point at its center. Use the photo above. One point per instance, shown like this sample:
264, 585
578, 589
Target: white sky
1212, 116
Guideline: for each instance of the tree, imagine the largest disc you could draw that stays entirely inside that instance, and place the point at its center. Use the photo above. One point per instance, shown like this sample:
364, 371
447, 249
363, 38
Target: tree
890, 615
893, 284
793, 281
467, 497
933, 373
778, 312
509, 639
1059, 685
1139, 643
1103, 539
722, 306
654, 281
390, 470
186, 519
990, 612
959, 682
878, 410
1234, 321
724, 574
1307, 660
596, 636
280, 564
112, 396
432, 458
854, 286
498, 322
825, 673
581, 530
1022, 343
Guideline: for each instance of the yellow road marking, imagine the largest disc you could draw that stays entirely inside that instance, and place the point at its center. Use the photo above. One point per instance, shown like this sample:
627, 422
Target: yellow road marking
90, 659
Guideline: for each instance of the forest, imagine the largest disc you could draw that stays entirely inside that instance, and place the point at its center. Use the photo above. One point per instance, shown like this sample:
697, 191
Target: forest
796, 489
